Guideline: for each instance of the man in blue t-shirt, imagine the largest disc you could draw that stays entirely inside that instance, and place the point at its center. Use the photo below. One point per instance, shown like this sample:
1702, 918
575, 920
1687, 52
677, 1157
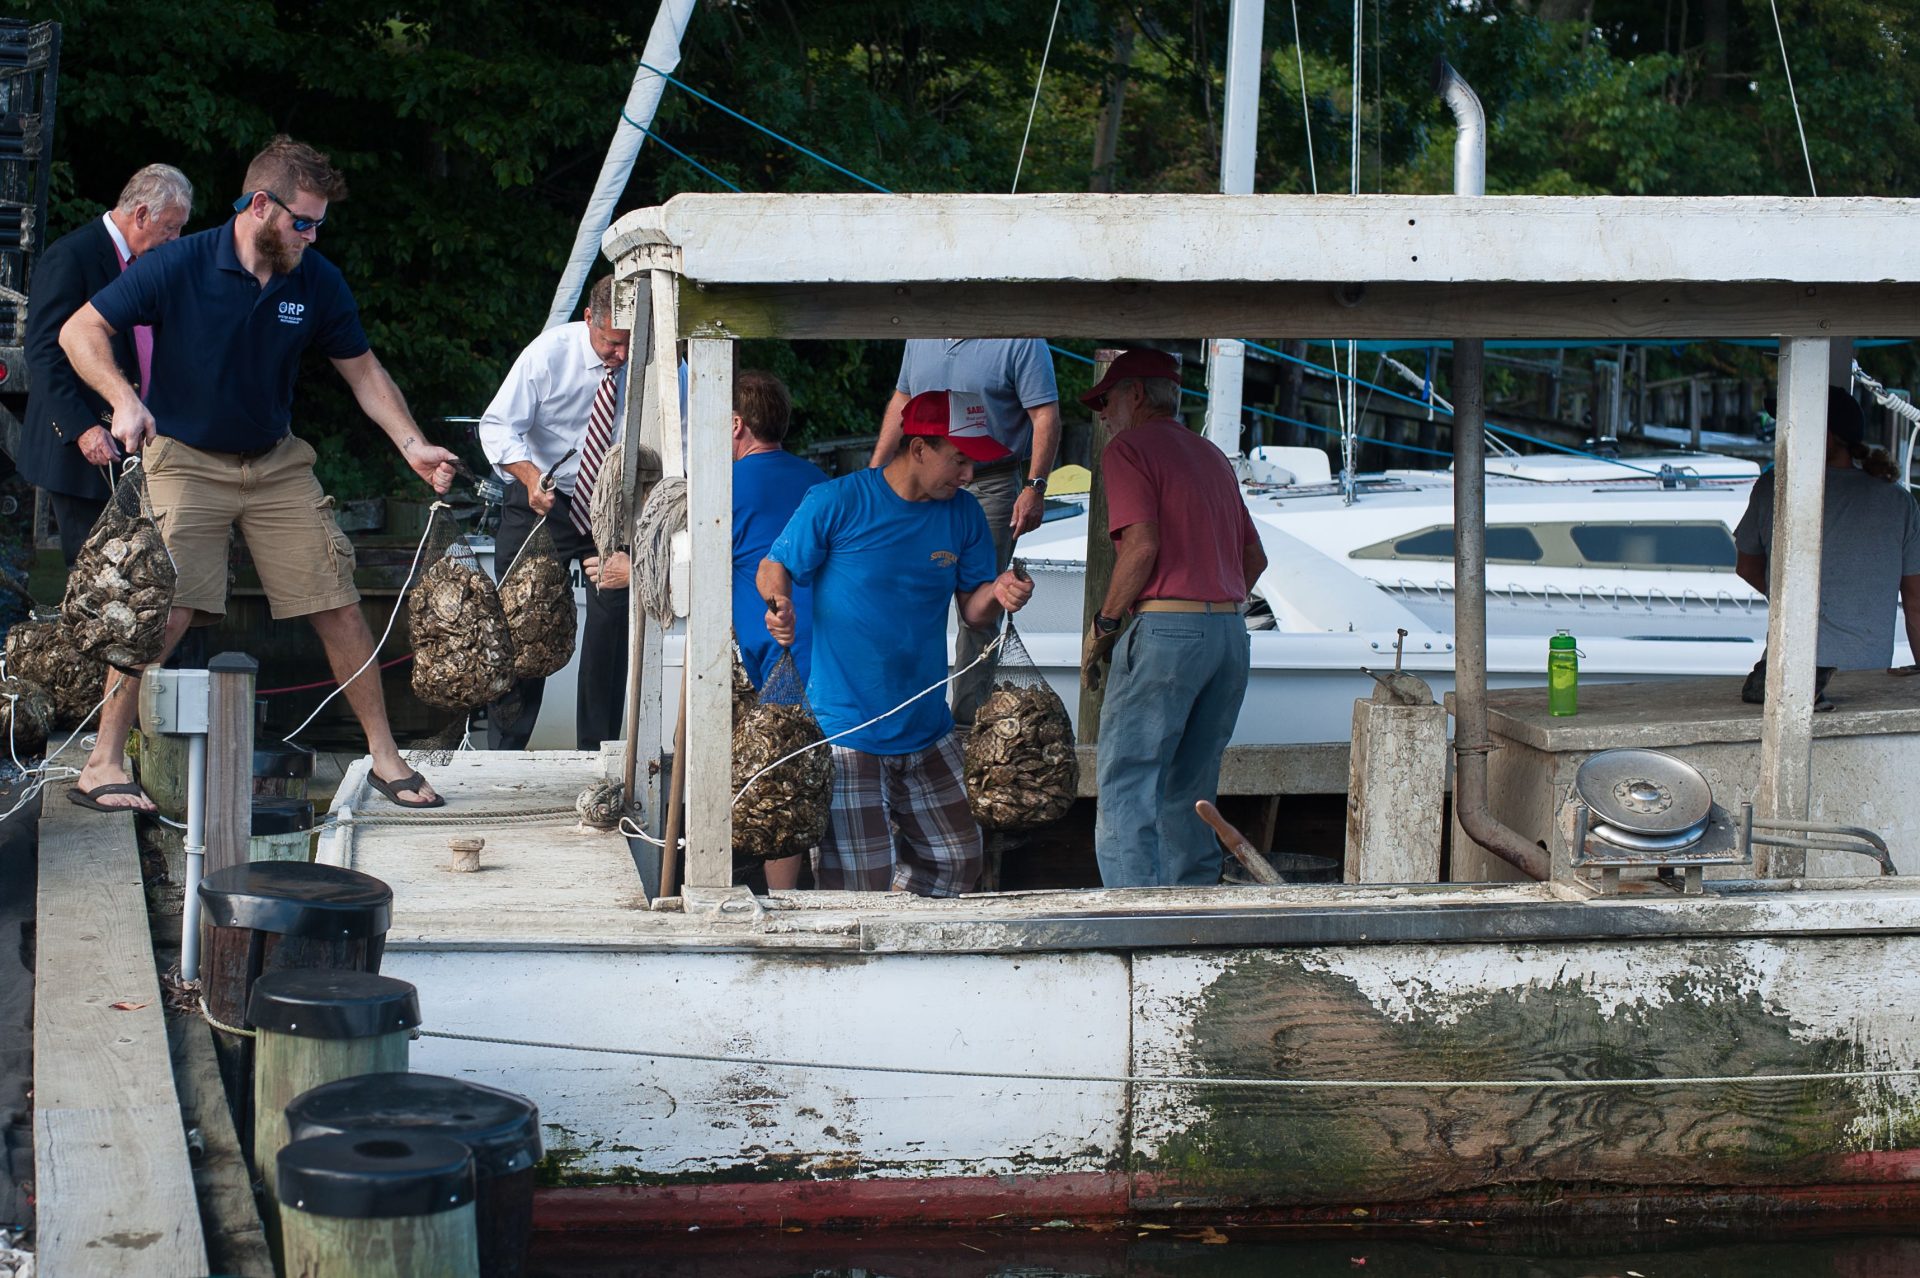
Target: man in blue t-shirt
232, 310
887, 552
1014, 376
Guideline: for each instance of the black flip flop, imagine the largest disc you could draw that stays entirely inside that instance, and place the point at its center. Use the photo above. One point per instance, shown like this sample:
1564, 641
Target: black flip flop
412, 782
90, 798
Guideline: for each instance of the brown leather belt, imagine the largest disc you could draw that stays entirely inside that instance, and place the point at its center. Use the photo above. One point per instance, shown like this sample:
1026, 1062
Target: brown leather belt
1184, 605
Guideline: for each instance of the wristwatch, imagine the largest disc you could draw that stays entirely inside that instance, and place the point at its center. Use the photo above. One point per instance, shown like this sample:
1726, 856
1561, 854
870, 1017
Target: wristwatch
1104, 624
1039, 484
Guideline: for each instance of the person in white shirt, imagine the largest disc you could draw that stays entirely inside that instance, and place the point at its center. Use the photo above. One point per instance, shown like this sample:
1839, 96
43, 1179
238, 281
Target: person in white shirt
566, 392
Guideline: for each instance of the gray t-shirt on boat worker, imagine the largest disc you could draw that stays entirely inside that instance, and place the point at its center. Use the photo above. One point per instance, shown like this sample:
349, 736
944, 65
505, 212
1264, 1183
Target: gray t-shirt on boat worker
1013, 374
1869, 539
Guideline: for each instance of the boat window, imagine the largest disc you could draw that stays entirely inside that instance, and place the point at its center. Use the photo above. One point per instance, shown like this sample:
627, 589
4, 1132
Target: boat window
1506, 544
1642, 545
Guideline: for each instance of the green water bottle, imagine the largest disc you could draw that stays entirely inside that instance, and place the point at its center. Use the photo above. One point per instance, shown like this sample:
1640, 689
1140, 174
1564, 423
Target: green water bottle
1563, 675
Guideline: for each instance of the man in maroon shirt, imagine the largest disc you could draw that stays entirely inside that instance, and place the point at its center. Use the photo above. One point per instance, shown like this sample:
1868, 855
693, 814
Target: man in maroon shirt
1186, 557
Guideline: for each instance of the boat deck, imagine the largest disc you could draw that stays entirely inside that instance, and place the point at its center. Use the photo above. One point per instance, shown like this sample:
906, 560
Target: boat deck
547, 883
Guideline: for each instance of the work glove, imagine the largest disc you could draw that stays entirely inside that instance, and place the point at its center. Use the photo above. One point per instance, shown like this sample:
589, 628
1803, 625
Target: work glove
1095, 650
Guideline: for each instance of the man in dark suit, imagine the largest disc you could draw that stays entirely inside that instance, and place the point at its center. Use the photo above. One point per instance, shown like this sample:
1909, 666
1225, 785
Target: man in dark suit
63, 445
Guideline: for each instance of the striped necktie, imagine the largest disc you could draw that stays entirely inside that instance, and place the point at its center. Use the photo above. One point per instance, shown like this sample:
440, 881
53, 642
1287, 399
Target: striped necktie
593, 451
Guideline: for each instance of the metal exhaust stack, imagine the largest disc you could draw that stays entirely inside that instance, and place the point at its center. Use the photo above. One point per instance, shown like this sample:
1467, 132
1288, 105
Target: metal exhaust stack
1471, 740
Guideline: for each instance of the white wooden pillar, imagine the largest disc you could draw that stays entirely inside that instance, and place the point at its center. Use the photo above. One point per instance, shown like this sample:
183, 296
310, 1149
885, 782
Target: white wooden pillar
708, 665
1793, 594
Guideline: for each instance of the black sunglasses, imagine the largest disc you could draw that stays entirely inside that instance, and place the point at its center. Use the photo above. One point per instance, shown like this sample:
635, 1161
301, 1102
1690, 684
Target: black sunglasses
300, 224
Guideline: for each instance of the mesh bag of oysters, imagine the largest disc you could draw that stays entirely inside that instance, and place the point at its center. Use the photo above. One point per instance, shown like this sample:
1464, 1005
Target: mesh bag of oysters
462, 650
1019, 762
537, 598
26, 716
121, 587
44, 651
784, 812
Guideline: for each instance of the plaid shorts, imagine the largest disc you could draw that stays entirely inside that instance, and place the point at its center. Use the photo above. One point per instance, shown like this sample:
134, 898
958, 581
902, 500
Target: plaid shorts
900, 823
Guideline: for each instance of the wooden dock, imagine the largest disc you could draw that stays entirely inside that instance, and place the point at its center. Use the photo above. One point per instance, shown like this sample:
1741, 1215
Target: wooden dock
115, 1187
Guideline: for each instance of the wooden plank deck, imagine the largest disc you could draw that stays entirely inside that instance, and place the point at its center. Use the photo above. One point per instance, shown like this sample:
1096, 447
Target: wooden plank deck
110, 1156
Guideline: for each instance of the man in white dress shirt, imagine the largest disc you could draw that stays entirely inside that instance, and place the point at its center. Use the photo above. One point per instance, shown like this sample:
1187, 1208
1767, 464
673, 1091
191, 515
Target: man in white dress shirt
566, 391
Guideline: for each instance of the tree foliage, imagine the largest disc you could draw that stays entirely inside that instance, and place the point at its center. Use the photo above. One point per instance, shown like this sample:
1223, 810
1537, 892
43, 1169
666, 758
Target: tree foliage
471, 132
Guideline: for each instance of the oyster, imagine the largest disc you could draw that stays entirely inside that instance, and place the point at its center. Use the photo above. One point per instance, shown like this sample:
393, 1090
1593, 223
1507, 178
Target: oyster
784, 812
1020, 766
26, 716
48, 654
120, 591
463, 655
537, 598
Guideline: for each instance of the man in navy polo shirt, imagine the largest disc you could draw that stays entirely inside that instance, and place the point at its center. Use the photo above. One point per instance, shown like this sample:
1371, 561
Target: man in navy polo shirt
232, 309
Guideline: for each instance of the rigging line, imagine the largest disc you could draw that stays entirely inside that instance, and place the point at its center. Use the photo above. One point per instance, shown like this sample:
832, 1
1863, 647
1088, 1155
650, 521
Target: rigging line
1355, 139
1791, 95
677, 151
684, 87
1034, 107
1334, 373
1306, 116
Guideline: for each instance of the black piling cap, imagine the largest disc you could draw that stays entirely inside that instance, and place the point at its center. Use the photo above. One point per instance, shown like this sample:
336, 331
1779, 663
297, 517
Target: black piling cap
282, 816
502, 1129
282, 762
375, 1175
297, 898
332, 1003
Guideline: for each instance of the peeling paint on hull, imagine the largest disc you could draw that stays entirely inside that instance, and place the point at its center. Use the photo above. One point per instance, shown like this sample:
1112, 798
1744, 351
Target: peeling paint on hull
639, 1141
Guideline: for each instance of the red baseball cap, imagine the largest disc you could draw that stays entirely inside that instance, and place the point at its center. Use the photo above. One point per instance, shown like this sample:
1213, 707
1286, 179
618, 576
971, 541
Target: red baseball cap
960, 416
1141, 363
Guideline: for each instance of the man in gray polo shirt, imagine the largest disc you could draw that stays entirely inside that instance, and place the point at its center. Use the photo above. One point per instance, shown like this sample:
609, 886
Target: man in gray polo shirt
1015, 377
1869, 552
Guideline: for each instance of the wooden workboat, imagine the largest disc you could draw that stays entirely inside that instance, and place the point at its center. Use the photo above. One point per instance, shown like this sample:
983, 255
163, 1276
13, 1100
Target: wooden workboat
1412, 1051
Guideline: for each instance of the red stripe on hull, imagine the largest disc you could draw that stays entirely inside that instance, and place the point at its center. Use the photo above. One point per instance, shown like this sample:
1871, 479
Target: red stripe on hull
1091, 1197
771, 1204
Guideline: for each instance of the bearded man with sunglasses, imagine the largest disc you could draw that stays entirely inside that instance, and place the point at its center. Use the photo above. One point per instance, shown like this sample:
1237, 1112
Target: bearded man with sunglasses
232, 311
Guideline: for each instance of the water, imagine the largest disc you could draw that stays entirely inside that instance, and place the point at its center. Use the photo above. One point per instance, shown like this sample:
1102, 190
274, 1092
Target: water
1890, 1251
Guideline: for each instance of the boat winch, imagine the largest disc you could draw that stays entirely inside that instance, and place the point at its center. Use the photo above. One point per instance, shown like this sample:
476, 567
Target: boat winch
1635, 808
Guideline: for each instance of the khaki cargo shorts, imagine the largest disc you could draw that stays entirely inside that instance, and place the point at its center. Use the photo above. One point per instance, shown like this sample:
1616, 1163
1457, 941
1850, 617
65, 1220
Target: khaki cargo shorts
305, 562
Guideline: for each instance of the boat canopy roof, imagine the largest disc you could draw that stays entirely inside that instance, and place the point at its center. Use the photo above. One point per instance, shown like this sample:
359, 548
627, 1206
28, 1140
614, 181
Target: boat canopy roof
1392, 266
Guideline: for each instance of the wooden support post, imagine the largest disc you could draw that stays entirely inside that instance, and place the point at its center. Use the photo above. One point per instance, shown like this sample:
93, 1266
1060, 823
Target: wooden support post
1396, 792
708, 666
316, 1027
230, 678
1793, 595
1100, 556
338, 1181
640, 468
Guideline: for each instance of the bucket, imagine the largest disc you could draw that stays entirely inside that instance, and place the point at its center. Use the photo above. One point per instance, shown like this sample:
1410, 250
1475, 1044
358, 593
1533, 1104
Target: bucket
1297, 867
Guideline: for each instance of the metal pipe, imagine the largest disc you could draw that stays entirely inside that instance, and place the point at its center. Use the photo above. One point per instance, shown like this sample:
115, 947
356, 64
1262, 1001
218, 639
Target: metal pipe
1227, 356
196, 848
1471, 738
1470, 146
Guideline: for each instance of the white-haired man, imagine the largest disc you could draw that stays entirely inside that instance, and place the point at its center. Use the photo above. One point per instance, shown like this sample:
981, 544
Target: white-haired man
63, 443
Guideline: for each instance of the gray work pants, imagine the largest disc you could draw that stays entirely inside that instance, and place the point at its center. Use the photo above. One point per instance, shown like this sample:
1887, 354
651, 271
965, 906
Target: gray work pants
996, 490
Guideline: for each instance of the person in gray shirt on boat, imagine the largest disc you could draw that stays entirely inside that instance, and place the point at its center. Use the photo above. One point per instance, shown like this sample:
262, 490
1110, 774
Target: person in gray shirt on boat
1869, 550
1015, 377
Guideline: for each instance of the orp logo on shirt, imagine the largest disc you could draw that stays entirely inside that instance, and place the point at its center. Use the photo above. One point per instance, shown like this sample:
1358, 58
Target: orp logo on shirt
293, 312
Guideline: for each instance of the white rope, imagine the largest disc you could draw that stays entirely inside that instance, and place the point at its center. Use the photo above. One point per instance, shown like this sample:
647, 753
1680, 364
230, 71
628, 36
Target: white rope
628, 828
522, 550
1196, 1080
433, 513
651, 566
1886, 399
1792, 96
1034, 107
39, 776
986, 652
